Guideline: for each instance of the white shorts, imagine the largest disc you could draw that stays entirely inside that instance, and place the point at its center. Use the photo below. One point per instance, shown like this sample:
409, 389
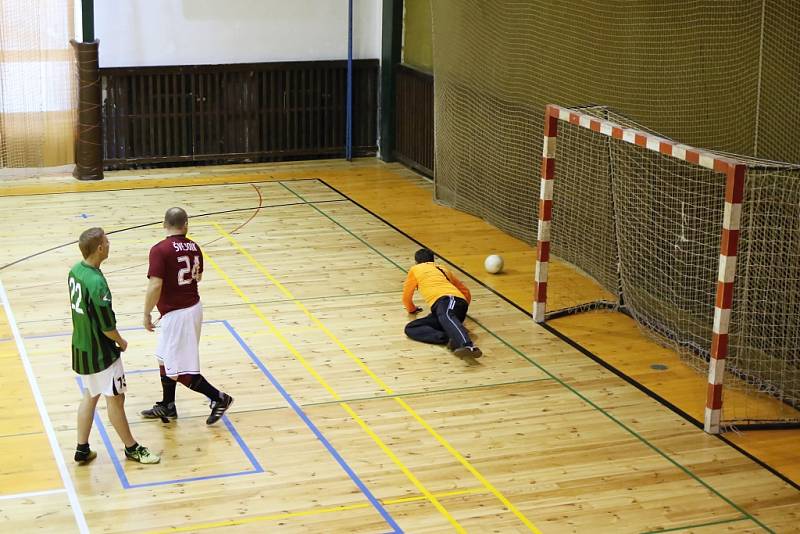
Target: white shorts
179, 340
109, 382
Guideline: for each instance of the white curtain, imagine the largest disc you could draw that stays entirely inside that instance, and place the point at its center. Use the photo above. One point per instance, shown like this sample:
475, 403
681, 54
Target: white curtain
37, 83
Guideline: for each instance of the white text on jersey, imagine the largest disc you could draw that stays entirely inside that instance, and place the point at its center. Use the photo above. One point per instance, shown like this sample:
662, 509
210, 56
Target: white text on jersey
181, 247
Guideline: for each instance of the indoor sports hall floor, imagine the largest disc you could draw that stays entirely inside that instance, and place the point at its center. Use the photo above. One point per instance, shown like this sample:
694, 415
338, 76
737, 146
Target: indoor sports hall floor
340, 424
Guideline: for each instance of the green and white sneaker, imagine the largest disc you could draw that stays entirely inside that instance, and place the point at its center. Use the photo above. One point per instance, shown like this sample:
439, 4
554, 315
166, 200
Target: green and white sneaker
142, 455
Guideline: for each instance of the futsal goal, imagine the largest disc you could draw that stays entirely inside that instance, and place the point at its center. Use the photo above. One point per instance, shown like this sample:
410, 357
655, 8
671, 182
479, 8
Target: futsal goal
702, 249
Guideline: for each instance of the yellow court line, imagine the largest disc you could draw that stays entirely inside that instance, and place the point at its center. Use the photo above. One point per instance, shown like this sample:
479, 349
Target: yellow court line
318, 511
299, 357
488, 485
288, 294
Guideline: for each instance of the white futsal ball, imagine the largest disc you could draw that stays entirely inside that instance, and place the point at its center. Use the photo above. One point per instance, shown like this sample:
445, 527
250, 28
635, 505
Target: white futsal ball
493, 264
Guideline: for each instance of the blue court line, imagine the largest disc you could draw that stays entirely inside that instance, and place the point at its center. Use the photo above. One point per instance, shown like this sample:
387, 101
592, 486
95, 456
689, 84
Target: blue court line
62, 334
121, 472
242, 445
258, 469
299, 411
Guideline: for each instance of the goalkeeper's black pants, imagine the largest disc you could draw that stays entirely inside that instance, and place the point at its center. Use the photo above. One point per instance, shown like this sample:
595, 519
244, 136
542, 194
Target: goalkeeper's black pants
445, 324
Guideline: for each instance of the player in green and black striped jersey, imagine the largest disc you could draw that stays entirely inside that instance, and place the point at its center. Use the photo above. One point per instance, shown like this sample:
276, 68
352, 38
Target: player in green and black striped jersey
92, 315
96, 348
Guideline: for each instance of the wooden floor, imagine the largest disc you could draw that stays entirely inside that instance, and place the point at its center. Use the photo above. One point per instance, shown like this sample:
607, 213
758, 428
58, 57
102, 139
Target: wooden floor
341, 424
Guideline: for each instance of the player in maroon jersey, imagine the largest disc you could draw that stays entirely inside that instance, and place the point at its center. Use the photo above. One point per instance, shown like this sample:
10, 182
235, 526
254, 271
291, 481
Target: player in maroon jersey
176, 267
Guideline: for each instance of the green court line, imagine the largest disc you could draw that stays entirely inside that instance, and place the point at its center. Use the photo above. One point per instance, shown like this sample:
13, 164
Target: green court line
430, 392
238, 304
562, 383
709, 524
343, 227
626, 428
306, 299
349, 400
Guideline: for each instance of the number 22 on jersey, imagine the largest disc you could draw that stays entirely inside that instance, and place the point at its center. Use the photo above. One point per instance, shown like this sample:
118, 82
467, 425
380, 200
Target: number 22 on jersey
75, 295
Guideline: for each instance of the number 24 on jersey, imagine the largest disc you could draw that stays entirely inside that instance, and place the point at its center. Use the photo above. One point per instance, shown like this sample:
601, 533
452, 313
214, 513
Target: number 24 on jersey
190, 269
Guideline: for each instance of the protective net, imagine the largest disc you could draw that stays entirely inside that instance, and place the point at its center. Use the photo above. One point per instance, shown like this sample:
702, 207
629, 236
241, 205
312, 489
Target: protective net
647, 227
720, 75
37, 72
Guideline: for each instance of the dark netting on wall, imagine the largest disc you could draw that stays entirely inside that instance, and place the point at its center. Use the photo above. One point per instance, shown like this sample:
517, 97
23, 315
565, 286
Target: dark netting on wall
722, 76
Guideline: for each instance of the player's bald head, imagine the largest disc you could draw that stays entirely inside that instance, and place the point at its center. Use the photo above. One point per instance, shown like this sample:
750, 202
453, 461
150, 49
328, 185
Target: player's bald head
176, 218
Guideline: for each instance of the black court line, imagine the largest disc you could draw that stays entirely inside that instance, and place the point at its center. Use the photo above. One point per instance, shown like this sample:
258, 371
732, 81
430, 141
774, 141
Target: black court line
505, 299
20, 434
338, 402
586, 352
566, 339
564, 384
143, 225
219, 306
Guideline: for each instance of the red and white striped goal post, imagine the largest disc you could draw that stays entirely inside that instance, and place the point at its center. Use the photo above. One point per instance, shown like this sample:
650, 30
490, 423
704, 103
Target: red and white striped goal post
734, 172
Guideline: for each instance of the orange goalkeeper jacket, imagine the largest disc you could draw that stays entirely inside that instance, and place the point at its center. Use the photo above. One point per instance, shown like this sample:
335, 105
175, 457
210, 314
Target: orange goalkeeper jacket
434, 281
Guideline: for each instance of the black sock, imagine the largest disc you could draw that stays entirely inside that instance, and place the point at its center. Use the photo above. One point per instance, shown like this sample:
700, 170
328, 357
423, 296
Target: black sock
168, 386
201, 385
132, 448
83, 447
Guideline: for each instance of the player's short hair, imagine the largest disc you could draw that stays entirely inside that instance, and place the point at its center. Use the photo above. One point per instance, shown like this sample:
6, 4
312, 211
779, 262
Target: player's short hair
175, 218
89, 241
423, 255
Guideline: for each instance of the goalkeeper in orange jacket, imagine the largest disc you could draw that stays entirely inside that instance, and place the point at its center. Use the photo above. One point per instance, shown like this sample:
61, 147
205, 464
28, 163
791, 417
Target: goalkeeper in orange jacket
448, 299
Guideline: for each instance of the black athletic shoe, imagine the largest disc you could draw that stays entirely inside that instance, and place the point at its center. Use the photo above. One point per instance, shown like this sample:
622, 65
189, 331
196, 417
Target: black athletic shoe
84, 457
161, 411
468, 351
218, 408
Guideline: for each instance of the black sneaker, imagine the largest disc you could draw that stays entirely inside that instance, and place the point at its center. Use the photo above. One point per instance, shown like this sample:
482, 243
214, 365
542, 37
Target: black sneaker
218, 408
468, 351
161, 411
84, 457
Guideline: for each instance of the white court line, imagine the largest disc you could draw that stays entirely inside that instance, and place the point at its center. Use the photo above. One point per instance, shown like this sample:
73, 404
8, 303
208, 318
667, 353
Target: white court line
48, 425
30, 494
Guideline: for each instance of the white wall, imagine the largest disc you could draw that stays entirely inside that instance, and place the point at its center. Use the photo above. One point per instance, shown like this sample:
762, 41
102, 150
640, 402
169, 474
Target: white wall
195, 32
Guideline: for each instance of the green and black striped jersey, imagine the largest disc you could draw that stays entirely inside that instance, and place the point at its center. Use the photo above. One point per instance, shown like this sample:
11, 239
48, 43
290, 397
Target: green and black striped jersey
92, 315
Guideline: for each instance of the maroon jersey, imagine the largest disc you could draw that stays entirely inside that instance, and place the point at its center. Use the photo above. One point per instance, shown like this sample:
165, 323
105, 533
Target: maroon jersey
178, 261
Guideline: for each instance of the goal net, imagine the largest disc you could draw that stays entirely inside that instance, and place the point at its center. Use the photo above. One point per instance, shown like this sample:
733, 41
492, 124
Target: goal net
702, 249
